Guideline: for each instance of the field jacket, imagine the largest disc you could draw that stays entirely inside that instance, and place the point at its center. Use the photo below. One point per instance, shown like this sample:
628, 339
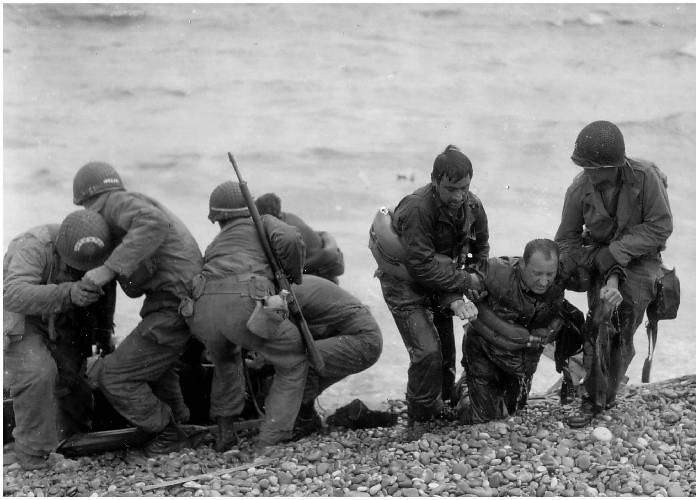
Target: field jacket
426, 228
639, 228
155, 252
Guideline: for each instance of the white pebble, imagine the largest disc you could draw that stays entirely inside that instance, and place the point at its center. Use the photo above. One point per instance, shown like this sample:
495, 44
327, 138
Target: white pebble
602, 434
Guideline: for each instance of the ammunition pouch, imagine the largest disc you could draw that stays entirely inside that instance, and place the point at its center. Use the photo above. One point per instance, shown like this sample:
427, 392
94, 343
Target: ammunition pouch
668, 296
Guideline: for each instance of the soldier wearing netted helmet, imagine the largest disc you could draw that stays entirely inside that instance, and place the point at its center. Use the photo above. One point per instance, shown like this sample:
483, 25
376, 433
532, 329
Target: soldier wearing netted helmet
154, 256
236, 281
51, 321
615, 223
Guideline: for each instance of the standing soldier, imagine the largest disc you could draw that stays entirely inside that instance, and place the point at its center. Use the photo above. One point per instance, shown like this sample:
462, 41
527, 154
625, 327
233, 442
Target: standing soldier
157, 256
441, 227
615, 222
51, 320
235, 279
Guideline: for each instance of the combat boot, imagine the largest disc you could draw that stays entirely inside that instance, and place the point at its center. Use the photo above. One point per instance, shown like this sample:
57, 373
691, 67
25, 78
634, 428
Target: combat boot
31, 462
307, 424
416, 428
226, 436
168, 440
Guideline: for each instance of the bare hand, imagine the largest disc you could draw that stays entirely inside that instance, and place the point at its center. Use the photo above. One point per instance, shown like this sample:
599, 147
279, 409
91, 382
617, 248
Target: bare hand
611, 296
464, 310
99, 276
475, 295
83, 294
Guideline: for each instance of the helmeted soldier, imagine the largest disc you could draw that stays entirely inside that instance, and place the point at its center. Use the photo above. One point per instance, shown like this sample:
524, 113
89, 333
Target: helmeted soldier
441, 227
233, 310
51, 320
615, 222
323, 256
155, 255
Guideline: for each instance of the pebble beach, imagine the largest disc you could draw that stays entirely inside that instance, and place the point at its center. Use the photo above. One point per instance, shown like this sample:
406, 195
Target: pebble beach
645, 445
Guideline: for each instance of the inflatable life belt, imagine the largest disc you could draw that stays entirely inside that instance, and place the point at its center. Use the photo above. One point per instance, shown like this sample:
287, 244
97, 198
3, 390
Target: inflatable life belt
385, 246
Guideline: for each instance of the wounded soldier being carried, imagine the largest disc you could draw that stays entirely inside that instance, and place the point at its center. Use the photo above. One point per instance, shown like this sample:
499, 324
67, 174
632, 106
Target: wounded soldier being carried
523, 309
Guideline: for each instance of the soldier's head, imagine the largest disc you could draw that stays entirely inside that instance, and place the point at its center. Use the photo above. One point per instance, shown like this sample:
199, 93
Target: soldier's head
95, 178
84, 241
227, 202
600, 149
269, 203
539, 265
451, 177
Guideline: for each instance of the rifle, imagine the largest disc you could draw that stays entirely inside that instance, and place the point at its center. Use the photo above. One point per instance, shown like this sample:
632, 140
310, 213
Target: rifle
281, 281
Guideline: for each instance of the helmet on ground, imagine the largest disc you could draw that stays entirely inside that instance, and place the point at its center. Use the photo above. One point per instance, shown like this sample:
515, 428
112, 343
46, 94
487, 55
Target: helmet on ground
84, 241
599, 144
227, 202
94, 178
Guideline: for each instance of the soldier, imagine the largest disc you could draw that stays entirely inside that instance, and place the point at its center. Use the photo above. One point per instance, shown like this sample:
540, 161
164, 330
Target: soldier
236, 277
615, 223
441, 227
51, 320
346, 335
523, 311
156, 256
323, 257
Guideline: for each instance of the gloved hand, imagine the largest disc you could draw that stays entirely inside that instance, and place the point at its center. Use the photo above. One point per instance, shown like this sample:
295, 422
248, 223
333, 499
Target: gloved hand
604, 261
99, 276
83, 293
464, 310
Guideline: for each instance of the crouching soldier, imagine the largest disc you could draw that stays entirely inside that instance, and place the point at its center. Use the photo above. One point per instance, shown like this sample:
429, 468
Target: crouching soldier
346, 335
155, 255
236, 277
323, 257
524, 310
51, 320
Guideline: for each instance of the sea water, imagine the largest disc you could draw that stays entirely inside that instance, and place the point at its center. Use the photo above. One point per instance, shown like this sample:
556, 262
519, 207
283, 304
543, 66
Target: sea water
341, 109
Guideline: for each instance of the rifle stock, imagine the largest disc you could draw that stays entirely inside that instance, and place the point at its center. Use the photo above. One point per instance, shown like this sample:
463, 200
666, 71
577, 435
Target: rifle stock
281, 281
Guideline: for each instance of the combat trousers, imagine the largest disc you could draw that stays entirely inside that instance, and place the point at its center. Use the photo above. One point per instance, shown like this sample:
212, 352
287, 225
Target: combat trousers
496, 389
445, 328
638, 290
345, 354
411, 308
220, 317
51, 399
138, 378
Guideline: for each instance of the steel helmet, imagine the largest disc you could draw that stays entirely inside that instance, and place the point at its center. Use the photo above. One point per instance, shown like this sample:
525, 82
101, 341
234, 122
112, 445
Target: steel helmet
84, 241
599, 144
227, 202
94, 178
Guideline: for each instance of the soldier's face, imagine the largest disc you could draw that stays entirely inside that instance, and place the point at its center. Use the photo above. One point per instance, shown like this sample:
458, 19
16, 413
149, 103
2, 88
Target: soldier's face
453, 193
602, 176
539, 273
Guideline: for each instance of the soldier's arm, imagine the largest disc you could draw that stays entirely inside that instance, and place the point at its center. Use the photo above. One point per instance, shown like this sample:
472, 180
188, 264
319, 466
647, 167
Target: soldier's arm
288, 245
23, 291
569, 235
480, 247
657, 225
145, 225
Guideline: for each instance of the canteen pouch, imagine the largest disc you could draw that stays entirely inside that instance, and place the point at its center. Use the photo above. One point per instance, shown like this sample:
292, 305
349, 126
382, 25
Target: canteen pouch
668, 295
265, 321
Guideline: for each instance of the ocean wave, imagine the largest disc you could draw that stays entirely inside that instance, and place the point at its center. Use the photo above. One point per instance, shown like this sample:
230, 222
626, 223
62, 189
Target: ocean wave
687, 50
326, 153
681, 124
439, 13
114, 15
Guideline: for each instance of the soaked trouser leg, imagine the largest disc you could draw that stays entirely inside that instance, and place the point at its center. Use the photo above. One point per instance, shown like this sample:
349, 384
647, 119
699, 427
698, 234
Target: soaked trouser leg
228, 382
345, 355
638, 290
31, 375
487, 385
414, 320
140, 360
445, 328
